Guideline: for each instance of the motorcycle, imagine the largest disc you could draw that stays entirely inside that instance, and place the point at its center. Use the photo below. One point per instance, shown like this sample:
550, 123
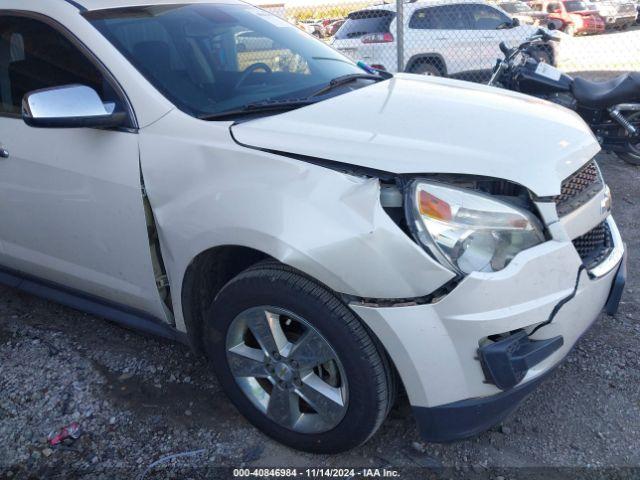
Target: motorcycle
611, 108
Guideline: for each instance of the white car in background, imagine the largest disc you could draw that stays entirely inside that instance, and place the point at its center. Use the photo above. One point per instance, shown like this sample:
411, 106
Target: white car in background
456, 38
616, 13
248, 41
312, 28
327, 237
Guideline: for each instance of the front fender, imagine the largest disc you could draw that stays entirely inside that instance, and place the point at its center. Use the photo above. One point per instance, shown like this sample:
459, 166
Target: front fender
206, 191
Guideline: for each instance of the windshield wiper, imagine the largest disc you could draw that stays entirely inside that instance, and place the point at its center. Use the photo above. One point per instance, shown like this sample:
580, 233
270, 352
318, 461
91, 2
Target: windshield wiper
290, 103
344, 79
258, 107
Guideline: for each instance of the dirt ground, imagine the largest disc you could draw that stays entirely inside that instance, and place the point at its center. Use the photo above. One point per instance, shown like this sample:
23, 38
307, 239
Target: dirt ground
139, 399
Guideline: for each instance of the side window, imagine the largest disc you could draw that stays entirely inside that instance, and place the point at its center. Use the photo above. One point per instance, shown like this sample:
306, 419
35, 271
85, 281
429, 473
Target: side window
421, 19
484, 17
448, 17
33, 56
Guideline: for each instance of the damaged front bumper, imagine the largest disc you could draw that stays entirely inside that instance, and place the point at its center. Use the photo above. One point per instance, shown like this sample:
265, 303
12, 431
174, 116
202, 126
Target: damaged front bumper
461, 366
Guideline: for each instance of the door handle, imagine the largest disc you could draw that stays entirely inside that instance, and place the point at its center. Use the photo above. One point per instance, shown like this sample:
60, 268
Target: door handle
4, 153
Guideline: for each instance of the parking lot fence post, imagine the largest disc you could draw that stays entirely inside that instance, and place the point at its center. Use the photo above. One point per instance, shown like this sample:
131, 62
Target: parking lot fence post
400, 33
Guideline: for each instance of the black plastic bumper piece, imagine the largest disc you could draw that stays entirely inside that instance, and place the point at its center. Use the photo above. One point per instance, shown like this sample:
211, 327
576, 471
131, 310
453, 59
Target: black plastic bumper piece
506, 362
611, 307
467, 418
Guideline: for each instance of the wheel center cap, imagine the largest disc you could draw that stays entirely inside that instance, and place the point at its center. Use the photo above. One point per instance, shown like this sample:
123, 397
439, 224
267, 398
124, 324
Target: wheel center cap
284, 372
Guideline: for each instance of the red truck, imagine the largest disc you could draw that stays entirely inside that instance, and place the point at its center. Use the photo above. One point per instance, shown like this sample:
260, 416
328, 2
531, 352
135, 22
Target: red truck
571, 16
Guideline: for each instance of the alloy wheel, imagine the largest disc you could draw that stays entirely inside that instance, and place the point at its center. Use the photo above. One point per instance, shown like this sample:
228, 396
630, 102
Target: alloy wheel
287, 369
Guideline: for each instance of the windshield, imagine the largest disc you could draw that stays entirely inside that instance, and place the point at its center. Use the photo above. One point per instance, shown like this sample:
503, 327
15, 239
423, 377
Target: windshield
211, 58
575, 6
518, 7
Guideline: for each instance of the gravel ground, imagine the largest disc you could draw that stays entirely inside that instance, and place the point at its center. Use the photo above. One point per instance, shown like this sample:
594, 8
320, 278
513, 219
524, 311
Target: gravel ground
139, 399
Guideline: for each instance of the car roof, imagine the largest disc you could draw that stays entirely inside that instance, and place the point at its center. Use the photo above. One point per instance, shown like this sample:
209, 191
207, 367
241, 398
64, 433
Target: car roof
426, 3
104, 4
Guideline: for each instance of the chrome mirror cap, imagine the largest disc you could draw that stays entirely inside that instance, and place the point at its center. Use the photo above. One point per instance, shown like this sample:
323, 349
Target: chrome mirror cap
69, 106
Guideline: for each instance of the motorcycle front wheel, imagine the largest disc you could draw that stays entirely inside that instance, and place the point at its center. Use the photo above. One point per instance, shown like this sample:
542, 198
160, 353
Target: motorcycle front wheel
630, 158
632, 155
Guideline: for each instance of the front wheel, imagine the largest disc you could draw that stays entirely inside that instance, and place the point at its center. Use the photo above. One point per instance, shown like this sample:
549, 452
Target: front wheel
296, 361
630, 158
632, 155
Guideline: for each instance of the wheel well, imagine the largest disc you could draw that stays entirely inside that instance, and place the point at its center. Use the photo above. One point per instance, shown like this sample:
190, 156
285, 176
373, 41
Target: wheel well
205, 276
210, 271
432, 59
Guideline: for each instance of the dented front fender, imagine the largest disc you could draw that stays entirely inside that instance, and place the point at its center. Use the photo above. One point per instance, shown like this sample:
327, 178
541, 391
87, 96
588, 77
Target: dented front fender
206, 191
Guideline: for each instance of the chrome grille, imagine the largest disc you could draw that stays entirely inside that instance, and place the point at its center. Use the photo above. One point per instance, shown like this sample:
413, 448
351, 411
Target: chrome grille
595, 245
579, 188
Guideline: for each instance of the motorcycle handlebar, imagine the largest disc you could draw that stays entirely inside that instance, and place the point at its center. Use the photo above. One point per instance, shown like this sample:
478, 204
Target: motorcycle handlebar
539, 35
545, 36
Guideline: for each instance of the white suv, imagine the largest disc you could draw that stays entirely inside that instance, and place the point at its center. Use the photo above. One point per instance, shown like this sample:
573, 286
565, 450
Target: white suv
327, 237
457, 38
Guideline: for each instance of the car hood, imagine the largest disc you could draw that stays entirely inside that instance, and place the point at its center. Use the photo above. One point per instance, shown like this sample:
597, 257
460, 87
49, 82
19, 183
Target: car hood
418, 125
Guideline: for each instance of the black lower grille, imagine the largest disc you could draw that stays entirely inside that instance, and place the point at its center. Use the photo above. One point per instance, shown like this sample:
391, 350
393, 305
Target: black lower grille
595, 245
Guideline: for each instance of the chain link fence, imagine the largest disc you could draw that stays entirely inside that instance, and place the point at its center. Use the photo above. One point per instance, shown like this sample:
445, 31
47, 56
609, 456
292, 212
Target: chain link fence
461, 38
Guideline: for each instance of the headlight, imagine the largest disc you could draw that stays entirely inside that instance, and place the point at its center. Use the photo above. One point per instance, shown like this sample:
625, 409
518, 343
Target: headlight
469, 231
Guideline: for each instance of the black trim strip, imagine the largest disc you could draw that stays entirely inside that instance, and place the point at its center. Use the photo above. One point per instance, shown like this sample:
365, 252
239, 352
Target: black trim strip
442, 291
467, 418
120, 314
77, 5
617, 288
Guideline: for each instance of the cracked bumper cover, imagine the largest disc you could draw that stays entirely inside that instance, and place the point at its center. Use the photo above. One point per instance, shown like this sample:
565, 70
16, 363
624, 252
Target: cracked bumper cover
435, 346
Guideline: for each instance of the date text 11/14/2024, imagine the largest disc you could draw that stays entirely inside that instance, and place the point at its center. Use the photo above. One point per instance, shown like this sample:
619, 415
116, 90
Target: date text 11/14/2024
345, 473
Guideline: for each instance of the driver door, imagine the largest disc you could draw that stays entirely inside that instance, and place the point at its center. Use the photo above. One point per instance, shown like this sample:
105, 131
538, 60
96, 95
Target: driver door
71, 207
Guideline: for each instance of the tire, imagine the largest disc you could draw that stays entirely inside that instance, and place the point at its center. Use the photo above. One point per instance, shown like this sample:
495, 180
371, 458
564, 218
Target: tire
632, 156
368, 376
427, 68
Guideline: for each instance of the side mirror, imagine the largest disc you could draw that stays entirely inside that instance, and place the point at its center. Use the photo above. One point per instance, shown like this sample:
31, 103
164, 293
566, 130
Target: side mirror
515, 22
69, 106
